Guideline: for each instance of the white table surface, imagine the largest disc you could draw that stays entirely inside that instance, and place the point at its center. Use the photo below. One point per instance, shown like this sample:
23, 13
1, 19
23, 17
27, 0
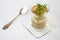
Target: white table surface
10, 8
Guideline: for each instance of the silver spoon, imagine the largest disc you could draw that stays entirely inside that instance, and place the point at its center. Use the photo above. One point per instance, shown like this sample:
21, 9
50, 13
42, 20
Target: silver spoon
22, 11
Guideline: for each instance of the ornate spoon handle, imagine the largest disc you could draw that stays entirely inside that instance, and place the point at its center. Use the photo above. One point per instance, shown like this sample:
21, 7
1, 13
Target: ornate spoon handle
8, 24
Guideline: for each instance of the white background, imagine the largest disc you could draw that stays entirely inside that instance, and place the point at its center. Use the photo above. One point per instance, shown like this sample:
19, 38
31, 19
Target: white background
10, 8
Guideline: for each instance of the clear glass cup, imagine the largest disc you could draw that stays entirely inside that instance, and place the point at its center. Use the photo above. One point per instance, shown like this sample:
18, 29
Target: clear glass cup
41, 23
